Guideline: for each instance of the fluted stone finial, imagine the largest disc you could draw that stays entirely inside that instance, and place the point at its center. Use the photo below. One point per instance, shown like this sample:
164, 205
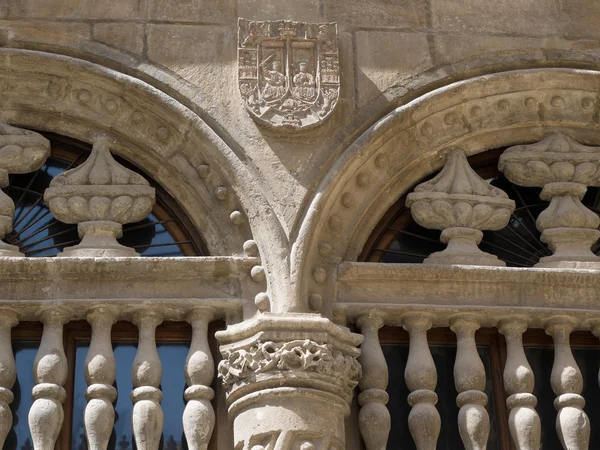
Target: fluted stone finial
563, 168
461, 204
21, 151
100, 196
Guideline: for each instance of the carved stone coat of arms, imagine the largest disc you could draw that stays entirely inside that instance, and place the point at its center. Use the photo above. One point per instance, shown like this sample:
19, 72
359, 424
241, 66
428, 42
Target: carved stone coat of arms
289, 72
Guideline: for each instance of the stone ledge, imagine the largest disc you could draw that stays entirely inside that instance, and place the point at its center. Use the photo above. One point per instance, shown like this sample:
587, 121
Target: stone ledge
175, 285
372, 285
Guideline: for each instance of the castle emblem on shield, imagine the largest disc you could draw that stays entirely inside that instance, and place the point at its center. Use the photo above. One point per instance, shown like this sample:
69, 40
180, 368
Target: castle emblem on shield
289, 72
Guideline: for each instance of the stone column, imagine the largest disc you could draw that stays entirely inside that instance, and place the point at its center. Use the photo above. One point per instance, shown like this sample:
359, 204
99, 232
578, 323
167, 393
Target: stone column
8, 370
289, 381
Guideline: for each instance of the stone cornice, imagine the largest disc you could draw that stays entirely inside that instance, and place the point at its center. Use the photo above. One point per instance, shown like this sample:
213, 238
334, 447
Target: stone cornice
491, 292
176, 284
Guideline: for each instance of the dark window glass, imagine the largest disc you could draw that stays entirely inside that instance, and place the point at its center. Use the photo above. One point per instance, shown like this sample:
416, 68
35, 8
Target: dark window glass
541, 360
172, 356
19, 437
396, 356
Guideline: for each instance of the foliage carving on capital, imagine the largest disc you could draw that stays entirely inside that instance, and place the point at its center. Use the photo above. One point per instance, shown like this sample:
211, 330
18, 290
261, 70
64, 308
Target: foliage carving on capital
243, 365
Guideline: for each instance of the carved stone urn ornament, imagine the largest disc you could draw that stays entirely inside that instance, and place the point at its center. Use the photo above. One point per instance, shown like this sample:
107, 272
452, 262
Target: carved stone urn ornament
461, 204
100, 196
21, 151
288, 72
564, 169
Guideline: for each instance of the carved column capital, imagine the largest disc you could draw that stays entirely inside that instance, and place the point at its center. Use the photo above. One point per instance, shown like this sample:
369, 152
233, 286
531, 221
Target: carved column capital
290, 379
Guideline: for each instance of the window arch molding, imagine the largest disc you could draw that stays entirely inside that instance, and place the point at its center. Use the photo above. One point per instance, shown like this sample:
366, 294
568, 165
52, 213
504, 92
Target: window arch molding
477, 114
165, 139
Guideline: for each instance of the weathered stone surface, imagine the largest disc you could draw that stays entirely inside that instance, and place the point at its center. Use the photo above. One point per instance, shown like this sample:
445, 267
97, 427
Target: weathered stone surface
380, 68
301, 10
45, 32
352, 14
124, 36
85, 9
192, 10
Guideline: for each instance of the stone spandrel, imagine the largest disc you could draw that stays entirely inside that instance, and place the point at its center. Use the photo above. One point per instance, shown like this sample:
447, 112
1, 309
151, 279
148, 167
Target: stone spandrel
288, 72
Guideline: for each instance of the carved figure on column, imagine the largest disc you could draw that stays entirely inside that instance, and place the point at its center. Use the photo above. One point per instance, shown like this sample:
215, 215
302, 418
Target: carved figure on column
572, 423
100, 370
523, 421
100, 196
424, 420
374, 418
146, 374
21, 151
8, 370
564, 169
199, 416
284, 390
461, 204
470, 380
49, 374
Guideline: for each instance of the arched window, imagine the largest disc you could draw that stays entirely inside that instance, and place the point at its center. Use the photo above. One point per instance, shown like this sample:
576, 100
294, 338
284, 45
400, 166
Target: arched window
398, 239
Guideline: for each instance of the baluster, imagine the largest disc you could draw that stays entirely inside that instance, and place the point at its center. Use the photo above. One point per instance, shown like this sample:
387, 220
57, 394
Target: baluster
374, 418
421, 378
572, 423
8, 370
50, 374
469, 379
100, 371
523, 421
199, 416
146, 373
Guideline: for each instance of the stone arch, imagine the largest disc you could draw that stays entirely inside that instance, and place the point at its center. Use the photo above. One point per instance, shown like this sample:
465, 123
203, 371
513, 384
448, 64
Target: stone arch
410, 142
168, 141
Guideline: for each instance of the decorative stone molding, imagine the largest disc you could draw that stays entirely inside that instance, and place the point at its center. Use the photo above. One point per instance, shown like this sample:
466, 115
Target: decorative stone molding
21, 151
564, 169
289, 380
288, 72
460, 203
100, 196
399, 150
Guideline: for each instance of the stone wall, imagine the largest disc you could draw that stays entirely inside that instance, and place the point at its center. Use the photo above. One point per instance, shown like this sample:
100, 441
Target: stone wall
390, 52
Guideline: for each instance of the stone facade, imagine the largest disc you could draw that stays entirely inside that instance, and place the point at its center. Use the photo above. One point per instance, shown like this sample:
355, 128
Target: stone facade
286, 130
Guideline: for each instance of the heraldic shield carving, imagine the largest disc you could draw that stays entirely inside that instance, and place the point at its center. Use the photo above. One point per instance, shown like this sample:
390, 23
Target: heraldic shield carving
289, 72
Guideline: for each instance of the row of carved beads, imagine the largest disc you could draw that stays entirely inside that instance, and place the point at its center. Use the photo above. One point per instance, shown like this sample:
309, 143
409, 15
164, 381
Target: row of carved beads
50, 374
462, 204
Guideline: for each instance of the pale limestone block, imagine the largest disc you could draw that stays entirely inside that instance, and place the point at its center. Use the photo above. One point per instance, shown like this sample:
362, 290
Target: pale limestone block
386, 58
193, 10
84, 9
507, 16
68, 34
124, 36
300, 10
351, 14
